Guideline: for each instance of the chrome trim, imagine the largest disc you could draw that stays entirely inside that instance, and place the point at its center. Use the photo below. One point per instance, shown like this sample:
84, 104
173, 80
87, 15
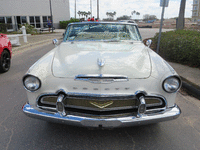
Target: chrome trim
117, 96
168, 114
101, 78
23, 78
148, 42
60, 100
104, 105
101, 62
46, 108
110, 96
150, 105
176, 76
141, 103
45, 102
107, 109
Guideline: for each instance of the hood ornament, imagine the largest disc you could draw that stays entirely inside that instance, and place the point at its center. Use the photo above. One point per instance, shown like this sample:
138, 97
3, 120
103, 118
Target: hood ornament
101, 62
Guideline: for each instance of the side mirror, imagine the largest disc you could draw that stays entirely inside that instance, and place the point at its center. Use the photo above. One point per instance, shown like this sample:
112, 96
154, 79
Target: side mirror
148, 42
55, 42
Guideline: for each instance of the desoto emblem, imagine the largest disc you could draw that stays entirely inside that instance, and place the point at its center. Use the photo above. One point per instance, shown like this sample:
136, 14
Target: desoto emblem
101, 104
101, 62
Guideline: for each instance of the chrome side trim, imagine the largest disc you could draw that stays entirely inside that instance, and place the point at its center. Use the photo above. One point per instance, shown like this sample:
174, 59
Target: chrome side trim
168, 114
101, 78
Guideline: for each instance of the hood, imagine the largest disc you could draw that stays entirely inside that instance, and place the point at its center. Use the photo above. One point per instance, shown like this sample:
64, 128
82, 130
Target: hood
107, 58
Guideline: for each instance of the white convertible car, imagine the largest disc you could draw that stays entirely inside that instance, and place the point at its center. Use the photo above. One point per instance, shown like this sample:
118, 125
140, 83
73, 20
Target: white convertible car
102, 75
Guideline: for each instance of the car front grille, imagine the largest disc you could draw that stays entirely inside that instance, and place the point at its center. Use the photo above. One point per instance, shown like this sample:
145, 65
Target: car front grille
100, 105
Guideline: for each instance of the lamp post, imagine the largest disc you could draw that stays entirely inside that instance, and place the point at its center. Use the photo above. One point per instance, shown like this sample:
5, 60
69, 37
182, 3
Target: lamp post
51, 15
98, 9
181, 19
75, 10
91, 7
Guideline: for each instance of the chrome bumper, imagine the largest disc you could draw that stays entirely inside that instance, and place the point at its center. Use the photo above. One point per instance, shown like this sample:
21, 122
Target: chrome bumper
168, 114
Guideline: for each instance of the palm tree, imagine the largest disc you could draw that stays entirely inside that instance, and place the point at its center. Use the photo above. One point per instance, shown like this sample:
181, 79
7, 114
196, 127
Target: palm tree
89, 13
107, 14
133, 12
79, 13
137, 13
84, 13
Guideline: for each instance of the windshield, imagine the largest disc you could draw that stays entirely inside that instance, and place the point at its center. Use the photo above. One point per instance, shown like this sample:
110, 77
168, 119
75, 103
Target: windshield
102, 32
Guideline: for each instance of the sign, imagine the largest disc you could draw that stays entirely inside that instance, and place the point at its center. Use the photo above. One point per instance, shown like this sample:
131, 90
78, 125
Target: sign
162, 3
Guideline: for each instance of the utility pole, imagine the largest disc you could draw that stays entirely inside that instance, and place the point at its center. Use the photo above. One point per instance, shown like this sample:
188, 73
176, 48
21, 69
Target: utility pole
75, 10
98, 9
181, 18
51, 15
91, 7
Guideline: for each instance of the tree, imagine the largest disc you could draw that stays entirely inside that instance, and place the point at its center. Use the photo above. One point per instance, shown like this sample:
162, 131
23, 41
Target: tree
152, 17
79, 13
133, 12
147, 17
137, 13
124, 17
111, 14
84, 13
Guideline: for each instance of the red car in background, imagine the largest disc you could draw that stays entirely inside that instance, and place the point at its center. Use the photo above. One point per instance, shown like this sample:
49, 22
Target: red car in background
5, 53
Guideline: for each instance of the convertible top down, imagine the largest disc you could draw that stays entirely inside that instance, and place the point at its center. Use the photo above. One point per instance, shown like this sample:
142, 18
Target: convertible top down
102, 75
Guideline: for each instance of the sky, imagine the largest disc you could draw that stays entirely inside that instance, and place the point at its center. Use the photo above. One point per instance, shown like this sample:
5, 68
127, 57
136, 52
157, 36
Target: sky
125, 7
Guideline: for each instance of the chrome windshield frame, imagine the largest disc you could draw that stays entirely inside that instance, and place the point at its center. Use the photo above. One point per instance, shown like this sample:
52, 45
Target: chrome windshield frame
65, 39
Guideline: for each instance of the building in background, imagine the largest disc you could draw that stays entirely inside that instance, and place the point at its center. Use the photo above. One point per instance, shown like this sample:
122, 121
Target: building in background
34, 12
196, 11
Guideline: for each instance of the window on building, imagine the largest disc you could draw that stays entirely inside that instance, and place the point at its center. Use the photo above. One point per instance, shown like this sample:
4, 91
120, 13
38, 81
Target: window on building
2, 19
32, 20
9, 22
23, 19
35, 21
195, 7
195, 2
45, 20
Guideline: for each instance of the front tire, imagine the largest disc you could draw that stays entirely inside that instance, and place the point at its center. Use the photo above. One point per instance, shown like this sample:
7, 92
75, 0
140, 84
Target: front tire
4, 61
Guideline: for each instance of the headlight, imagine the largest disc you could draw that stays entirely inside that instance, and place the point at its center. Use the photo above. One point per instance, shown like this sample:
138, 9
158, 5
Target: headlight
171, 84
31, 83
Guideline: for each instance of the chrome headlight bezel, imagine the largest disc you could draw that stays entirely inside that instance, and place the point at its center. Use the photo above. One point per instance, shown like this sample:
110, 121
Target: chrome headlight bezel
173, 80
37, 82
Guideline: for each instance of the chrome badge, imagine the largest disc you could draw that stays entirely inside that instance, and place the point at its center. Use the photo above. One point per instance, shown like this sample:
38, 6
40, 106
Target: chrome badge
101, 62
101, 104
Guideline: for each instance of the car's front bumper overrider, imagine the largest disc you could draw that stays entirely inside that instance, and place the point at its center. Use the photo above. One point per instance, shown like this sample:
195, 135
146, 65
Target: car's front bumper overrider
167, 114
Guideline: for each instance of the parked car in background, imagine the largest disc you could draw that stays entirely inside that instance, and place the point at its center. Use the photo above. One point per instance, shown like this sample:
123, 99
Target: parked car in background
102, 75
5, 53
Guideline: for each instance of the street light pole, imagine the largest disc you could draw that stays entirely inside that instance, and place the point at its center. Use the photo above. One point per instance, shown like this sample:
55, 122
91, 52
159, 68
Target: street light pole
51, 15
91, 7
181, 19
98, 9
75, 10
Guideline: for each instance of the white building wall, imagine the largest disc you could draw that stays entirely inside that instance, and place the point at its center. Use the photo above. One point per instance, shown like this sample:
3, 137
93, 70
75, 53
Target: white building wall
60, 9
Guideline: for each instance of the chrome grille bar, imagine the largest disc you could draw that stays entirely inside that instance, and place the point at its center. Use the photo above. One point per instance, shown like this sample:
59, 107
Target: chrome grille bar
101, 78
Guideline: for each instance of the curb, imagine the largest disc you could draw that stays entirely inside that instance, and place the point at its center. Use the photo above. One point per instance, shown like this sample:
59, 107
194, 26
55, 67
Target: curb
191, 88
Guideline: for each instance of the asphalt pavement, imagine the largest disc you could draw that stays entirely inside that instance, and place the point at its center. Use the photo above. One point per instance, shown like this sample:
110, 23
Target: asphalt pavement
190, 75
19, 132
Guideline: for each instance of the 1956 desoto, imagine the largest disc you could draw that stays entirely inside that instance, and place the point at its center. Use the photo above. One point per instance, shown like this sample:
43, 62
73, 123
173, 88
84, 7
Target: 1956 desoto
102, 75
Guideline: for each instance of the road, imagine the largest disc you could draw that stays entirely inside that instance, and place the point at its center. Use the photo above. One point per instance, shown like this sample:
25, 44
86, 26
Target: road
18, 132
